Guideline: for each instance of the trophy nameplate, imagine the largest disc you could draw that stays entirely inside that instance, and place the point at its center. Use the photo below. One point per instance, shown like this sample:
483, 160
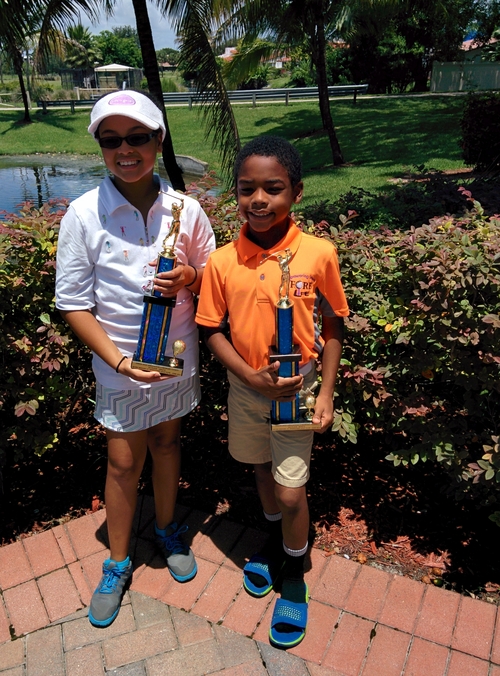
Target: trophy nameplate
157, 315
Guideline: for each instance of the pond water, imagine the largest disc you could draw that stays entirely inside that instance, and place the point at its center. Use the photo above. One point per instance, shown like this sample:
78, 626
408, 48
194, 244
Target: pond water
38, 178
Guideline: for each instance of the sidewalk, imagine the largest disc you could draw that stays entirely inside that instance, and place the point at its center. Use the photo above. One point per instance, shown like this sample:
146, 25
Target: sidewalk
362, 620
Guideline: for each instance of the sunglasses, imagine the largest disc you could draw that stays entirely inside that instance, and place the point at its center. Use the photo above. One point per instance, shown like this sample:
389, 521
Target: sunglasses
112, 142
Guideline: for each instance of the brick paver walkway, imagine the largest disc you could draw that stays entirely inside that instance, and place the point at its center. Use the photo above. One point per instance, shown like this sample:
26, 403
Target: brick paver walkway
362, 621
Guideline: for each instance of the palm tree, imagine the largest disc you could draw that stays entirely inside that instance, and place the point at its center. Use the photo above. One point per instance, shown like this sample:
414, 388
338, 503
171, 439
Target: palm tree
80, 51
197, 22
22, 19
152, 74
263, 26
18, 19
284, 24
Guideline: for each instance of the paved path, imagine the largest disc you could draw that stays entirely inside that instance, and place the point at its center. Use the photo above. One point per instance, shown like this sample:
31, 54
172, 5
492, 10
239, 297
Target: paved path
363, 621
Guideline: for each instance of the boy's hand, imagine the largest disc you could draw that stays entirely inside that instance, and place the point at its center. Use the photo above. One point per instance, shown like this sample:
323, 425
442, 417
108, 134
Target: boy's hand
267, 382
323, 412
170, 283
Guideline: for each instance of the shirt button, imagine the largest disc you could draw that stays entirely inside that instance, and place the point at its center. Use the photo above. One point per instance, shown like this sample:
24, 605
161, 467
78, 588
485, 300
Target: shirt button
262, 278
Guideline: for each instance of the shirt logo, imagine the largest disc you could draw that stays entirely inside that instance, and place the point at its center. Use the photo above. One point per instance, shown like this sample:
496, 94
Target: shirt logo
302, 285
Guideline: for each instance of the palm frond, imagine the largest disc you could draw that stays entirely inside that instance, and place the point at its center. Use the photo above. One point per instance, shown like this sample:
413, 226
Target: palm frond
249, 20
54, 43
246, 61
57, 15
195, 21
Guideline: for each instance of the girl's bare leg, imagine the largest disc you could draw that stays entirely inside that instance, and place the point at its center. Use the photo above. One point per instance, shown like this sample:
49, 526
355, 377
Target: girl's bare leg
164, 442
126, 455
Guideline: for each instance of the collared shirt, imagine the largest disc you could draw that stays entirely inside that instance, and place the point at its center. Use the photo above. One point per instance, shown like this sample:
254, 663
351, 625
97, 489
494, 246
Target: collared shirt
103, 255
241, 283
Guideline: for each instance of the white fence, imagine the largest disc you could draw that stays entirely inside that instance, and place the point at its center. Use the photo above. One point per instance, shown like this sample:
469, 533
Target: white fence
464, 76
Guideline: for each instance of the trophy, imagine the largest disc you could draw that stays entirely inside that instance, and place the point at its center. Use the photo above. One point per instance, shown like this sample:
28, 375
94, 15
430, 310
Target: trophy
296, 414
157, 315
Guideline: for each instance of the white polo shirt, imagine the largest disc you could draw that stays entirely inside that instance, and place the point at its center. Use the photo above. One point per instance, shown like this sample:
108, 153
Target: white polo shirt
103, 255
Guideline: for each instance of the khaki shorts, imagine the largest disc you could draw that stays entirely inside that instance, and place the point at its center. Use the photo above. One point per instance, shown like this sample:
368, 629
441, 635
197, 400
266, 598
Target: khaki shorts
251, 439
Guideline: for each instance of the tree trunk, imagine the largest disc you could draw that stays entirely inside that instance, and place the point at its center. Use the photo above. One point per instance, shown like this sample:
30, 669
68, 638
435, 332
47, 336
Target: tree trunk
318, 57
154, 84
17, 62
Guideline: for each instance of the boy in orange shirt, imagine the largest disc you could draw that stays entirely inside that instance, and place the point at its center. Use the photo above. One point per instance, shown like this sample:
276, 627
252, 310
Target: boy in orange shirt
242, 284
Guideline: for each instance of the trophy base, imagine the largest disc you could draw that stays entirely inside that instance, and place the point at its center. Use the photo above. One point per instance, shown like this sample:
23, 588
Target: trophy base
166, 369
299, 426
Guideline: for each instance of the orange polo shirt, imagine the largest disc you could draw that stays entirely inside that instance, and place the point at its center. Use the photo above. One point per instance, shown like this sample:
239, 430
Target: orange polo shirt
242, 283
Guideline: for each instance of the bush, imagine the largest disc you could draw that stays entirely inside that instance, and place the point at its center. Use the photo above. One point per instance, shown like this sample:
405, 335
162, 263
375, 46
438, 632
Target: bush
422, 351
168, 84
421, 363
45, 369
38, 385
10, 86
220, 208
422, 354
258, 80
481, 131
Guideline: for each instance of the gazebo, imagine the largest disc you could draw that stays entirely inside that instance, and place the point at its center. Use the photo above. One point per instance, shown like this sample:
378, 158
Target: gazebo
116, 76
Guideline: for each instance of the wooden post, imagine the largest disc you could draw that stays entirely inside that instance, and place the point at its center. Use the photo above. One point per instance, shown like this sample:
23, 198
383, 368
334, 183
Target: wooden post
72, 104
287, 97
254, 100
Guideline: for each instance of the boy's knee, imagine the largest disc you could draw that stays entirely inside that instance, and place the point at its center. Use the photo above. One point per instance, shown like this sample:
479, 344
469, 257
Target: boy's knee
263, 470
290, 500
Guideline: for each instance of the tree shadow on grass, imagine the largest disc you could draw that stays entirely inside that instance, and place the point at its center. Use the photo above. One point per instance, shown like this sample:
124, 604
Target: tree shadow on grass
381, 132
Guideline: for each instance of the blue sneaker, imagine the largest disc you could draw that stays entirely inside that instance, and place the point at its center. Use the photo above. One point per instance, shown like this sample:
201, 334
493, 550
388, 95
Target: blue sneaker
107, 598
179, 557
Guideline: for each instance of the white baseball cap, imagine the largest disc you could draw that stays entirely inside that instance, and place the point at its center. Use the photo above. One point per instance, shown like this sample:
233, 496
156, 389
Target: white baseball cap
129, 104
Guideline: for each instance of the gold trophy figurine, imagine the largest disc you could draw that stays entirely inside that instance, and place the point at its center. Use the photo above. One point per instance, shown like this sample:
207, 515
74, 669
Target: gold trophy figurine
284, 259
307, 396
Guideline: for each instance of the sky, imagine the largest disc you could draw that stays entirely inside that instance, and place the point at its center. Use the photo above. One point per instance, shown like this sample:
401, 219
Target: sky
163, 34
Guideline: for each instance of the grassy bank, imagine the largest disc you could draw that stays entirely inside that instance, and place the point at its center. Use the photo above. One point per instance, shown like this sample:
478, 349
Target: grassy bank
381, 138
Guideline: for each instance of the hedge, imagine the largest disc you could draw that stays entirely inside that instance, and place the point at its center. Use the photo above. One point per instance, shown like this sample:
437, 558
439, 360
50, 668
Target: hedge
421, 362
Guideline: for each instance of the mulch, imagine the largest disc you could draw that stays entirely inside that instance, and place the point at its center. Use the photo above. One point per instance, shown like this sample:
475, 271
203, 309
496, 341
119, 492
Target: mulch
404, 520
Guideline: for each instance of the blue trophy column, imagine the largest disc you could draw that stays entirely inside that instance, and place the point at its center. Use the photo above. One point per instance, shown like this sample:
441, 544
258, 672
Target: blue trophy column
289, 362
156, 318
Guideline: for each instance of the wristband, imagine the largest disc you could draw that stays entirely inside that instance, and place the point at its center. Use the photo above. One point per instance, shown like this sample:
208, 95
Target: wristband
195, 277
120, 363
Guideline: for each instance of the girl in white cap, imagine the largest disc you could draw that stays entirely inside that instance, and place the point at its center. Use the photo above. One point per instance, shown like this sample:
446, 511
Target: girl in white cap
109, 242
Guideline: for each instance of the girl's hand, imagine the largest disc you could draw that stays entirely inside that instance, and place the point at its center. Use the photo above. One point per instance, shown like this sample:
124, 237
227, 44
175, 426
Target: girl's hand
170, 283
267, 382
125, 369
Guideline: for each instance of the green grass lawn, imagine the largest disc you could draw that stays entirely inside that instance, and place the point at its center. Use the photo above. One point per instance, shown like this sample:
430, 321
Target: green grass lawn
381, 138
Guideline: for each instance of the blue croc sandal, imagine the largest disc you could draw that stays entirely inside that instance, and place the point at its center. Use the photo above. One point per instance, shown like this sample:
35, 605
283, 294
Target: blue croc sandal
289, 622
258, 566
